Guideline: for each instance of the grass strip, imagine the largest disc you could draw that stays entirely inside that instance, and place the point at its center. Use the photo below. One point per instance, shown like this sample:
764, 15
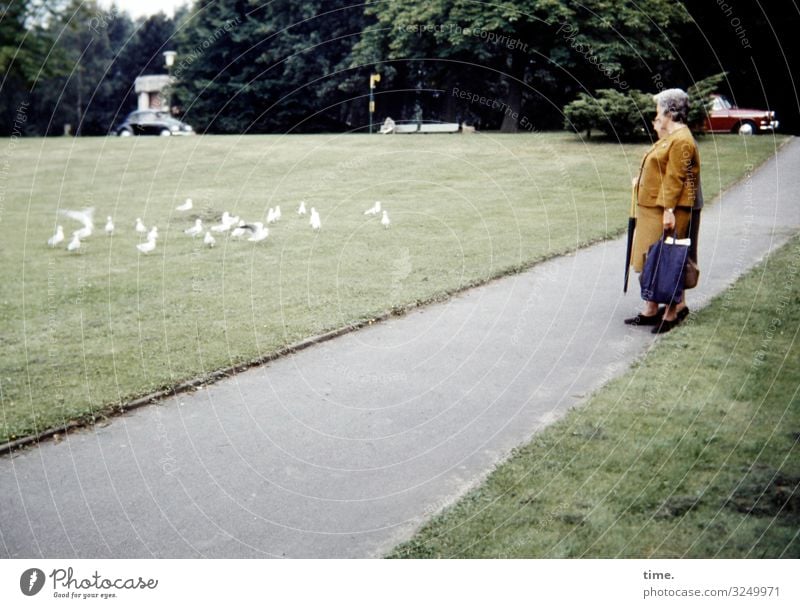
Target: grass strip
692, 453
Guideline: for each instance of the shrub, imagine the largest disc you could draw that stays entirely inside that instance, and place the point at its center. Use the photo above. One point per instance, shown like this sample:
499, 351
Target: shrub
627, 116
624, 116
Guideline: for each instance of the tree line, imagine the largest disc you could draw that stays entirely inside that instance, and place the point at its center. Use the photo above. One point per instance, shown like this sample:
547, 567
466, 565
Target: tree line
244, 66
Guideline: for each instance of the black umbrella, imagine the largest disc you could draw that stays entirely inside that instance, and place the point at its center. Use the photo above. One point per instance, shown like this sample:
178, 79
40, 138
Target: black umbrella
629, 249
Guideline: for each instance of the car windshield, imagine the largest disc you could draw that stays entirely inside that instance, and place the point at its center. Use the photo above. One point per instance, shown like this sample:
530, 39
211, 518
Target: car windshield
721, 103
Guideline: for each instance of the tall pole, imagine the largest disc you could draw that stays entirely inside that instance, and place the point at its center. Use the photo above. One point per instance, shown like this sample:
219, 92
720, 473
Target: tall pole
169, 60
169, 90
373, 78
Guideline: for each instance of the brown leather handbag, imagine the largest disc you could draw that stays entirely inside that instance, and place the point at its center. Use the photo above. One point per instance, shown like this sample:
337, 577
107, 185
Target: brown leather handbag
691, 274
692, 270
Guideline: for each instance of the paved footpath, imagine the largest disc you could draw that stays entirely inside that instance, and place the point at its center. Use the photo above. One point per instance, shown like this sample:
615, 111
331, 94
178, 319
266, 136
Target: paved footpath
346, 448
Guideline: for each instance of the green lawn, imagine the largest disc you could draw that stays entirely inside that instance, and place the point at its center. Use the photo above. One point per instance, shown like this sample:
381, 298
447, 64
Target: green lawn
693, 453
84, 332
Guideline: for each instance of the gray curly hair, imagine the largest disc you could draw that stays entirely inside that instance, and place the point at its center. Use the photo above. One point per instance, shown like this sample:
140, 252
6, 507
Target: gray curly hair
675, 103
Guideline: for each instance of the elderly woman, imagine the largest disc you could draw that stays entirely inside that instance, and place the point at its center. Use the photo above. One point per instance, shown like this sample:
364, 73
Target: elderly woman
666, 190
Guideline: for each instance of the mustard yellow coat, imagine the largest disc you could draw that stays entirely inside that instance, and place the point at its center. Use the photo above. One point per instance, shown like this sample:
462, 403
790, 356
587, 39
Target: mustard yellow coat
668, 178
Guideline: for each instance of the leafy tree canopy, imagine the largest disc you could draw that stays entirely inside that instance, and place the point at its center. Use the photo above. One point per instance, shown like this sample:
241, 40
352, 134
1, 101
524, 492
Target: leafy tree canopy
255, 67
532, 54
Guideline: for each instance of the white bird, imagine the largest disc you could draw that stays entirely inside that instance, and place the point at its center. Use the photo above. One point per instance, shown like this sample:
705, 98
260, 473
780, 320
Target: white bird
271, 219
83, 233
109, 226
228, 219
258, 231
301, 210
315, 221
186, 206
85, 217
239, 230
277, 212
374, 210
209, 240
153, 234
220, 228
57, 237
140, 227
146, 247
196, 229
385, 219
75, 243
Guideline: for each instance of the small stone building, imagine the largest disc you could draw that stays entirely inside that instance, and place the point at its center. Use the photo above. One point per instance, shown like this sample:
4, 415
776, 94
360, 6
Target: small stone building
150, 92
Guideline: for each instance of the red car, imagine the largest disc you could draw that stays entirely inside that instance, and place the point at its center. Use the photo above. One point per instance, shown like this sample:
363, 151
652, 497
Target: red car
727, 118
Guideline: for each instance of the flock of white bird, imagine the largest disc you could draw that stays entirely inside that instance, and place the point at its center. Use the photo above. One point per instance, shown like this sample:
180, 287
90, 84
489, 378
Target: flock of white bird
236, 227
375, 210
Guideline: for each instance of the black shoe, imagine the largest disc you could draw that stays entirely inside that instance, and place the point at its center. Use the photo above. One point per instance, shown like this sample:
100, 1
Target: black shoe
641, 319
666, 326
683, 313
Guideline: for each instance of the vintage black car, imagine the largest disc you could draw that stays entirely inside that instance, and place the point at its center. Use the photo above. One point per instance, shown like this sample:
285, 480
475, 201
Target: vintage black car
152, 122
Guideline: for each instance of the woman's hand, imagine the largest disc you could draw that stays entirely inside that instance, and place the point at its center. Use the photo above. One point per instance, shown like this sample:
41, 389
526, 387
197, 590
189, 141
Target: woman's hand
668, 219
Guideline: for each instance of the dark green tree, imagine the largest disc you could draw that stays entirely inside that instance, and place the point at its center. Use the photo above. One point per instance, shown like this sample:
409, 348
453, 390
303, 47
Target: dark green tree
259, 67
153, 36
212, 66
125, 65
532, 54
26, 57
24, 40
80, 96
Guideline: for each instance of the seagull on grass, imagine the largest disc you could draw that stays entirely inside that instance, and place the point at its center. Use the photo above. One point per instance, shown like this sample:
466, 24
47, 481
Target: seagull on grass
153, 234
226, 222
75, 243
315, 221
85, 217
301, 210
385, 219
109, 226
277, 212
83, 233
229, 219
146, 247
374, 210
186, 206
57, 238
239, 231
196, 229
140, 227
208, 240
258, 232
271, 219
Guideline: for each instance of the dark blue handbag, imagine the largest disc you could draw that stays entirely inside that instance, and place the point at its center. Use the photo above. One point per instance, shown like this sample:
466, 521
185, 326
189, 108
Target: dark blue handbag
663, 273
